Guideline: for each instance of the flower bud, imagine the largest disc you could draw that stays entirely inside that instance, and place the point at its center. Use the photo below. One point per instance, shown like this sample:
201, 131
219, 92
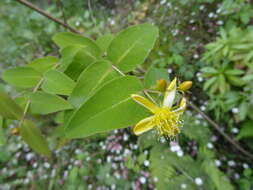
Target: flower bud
161, 85
185, 86
15, 131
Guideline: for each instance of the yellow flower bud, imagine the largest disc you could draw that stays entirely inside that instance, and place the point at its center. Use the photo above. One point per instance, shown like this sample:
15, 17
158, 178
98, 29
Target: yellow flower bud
15, 131
161, 85
186, 85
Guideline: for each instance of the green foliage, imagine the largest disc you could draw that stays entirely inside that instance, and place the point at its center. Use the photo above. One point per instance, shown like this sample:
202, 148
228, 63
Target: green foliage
109, 108
246, 130
222, 78
43, 64
90, 80
23, 77
56, 82
44, 103
84, 69
8, 108
33, 137
153, 75
131, 47
104, 41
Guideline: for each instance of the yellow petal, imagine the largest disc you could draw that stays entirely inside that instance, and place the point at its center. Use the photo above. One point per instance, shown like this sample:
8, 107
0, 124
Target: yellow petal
170, 93
144, 102
182, 106
143, 126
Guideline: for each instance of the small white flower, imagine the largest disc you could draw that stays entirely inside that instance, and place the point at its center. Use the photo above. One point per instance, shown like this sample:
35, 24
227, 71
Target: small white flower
187, 38
26, 181
162, 139
183, 186
175, 148
113, 186
203, 108
155, 179
200, 79
162, 2
78, 151
35, 164
77, 23
217, 163
143, 180
235, 130
180, 153
198, 181
210, 145
245, 165
202, 7
125, 137
195, 56
192, 21
46, 165
211, 15
112, 22
231, 163
146, 163
235, 110
169, 70
220, 22
29, 156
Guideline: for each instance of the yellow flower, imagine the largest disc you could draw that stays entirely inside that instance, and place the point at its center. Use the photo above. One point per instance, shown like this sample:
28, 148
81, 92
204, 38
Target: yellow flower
165, 119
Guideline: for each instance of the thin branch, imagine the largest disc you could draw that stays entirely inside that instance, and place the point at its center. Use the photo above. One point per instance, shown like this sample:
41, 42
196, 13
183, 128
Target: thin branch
218, 128
42, 12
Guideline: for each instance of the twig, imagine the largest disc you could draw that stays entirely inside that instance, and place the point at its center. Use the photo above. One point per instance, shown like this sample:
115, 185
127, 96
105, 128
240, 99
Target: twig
218, 128
42, 12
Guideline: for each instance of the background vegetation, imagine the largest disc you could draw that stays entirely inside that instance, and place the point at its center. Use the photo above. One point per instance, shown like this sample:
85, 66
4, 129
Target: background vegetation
206, 41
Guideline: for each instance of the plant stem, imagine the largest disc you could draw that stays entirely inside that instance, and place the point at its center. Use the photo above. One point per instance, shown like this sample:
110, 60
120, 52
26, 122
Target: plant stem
218, 128
42, 12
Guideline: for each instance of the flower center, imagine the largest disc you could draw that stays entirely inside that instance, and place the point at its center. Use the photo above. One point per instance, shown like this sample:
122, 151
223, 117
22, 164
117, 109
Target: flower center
168, 123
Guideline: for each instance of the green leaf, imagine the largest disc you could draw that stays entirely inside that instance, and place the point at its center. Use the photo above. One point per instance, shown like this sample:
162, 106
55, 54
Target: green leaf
246, 130
81, 60
24, 77
236, 81
131, 46
44, 103
8, 108
33, 137
109, 108
243, 110
209, 70
104, 41
91, 78
234, 72
220, 180
67, 55
2, 138
210, 82
56, 82
65, 39
154, 74
43, 64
